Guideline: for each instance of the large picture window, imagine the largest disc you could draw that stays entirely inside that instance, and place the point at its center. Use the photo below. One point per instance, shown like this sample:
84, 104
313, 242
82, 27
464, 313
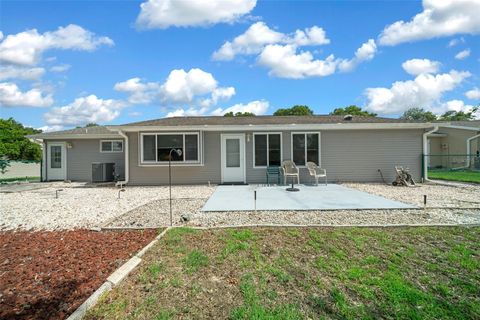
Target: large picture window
156, 147
305, 148
267, 149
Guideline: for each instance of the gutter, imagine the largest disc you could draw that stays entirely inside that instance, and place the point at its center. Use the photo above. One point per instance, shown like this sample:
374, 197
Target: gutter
425, 152
127, 166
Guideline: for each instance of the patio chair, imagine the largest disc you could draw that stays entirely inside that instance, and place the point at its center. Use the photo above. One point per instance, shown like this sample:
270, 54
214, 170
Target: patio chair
272, 171
316, 172
289, 169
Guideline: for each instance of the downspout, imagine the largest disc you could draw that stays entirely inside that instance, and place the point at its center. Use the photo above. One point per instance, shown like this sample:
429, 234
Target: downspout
425, 152
469, 140
127, 166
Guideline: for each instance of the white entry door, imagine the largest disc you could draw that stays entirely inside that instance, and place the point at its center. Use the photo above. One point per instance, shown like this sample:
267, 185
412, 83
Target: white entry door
56, 161
233, 158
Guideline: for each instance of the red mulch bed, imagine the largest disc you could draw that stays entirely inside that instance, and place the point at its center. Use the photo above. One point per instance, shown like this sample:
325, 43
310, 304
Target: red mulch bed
47, 275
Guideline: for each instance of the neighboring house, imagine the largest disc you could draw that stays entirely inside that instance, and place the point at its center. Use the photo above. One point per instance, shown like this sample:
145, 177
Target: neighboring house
455, 145
237, 149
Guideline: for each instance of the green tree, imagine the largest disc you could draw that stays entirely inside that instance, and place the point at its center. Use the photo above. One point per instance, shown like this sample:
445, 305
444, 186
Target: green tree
459, 115
239, 114
297, 110
13, 143
4, 164
418, 114
91, 124
352, 110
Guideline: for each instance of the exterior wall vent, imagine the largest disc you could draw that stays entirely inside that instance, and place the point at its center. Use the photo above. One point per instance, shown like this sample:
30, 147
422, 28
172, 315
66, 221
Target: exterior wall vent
348, 117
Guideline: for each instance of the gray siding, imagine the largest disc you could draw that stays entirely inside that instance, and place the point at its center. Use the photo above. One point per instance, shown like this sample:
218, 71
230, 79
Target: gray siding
86, 151
182, 174
357, 155
348, 155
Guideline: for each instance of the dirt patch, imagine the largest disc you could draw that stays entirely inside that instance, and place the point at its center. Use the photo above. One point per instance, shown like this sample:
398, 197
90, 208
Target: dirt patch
47, 275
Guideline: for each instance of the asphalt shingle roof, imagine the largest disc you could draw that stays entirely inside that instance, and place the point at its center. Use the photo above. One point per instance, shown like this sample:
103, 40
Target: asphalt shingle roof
97, 130
261, 120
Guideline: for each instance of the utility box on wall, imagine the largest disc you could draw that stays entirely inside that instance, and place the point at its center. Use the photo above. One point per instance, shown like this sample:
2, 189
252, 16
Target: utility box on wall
103, 172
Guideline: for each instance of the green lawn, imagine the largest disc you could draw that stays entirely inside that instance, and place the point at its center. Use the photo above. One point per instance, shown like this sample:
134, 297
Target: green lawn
301, 273
31, 179
465, 176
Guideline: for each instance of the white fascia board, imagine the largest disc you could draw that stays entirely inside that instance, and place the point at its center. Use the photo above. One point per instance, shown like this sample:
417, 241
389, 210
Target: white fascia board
82, 136
288, 127
460, 127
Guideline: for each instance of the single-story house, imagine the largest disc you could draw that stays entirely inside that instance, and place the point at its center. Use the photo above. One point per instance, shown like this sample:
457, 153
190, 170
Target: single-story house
236, 149
455, 145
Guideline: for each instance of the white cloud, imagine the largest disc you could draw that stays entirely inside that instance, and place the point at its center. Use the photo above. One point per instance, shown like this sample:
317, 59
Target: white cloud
60, 68
458, 105
12, 96
186, 112
180, 87
456, 41
365, 53
473, 94
425, 91
186, 13
438, 19
419, 66
257, 107
258, 35
135, 114
463, 54
284, 62
138, 92
51, 128
218, 94
26, 48
183, 87
84, 110
22, 73
314, 36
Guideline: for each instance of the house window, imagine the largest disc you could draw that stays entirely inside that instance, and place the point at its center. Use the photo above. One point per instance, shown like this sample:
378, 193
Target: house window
111, 146
267, 149
305, 148
55, 157
157, 147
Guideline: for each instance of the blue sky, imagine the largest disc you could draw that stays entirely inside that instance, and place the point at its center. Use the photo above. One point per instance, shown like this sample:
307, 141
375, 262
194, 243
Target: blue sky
59, 78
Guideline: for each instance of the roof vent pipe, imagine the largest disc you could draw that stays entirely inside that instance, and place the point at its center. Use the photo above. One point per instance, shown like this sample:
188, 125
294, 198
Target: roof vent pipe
348, 117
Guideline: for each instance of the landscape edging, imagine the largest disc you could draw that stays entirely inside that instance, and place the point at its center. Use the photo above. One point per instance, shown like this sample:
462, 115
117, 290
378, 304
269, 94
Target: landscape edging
114, 279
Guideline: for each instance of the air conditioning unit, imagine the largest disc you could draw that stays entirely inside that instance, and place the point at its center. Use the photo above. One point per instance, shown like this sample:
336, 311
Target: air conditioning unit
103, 172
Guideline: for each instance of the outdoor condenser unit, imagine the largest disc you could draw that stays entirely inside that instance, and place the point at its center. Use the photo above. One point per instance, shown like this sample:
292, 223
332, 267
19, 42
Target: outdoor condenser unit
103, 172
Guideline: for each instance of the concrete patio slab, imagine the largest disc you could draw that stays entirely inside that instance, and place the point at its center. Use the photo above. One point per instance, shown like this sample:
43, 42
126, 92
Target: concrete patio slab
331, 197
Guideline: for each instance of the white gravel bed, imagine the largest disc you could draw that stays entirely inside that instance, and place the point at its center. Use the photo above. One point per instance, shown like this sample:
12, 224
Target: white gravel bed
156, 214
458, 195
80, 207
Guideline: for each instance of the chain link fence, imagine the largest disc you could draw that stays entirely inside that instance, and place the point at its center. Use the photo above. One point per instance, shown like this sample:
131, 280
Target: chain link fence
455, 167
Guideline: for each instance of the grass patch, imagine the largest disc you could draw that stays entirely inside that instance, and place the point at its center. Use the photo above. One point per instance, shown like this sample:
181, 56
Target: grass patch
463, 176
29, 179
300, 273
195, 260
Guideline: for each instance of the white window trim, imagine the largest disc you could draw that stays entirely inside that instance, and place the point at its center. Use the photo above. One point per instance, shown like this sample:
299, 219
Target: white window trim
281, 148
319, 146
156, 163
112, 141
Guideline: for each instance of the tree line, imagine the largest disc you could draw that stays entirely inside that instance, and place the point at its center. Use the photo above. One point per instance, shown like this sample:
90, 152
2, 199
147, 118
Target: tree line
412, 114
